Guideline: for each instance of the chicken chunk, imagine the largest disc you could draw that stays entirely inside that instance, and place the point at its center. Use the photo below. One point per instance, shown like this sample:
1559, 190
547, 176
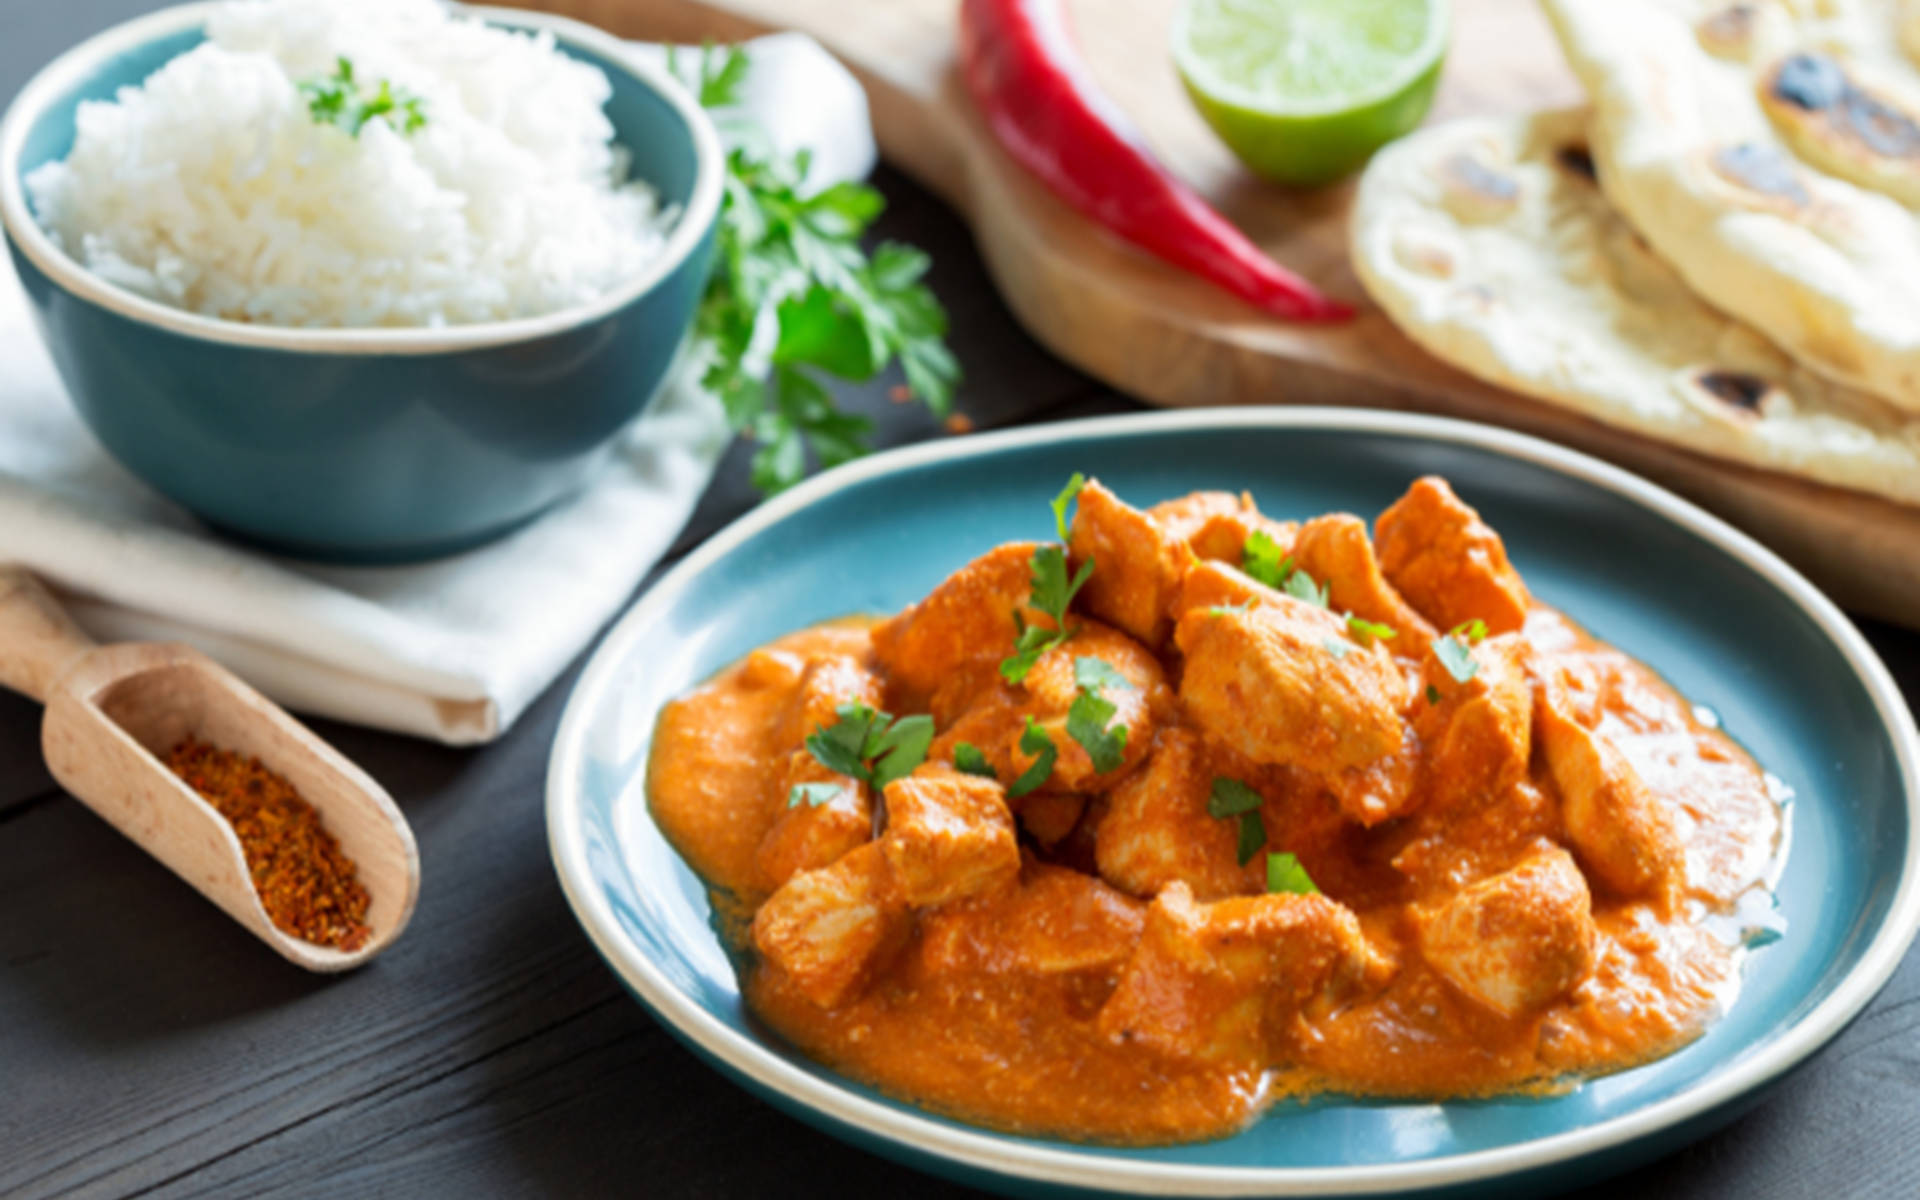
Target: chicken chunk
968, 617
1478, 737
1386, 787
1336, 552
1156, 829
826, 682
1049, 816
1624, 835
999, 715
1281, 683
1518, 940
948, 835
833, 929
1055, 922
1446, 562
1215, 585
805, 836
1184, 516
1214, 983
1216, 525
1136, 570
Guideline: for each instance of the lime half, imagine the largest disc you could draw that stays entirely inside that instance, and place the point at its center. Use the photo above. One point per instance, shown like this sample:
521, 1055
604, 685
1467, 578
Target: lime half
1304, 90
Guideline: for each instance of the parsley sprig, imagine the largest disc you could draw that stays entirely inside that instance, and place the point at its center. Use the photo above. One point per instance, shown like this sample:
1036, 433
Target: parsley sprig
1090, 712
1034, 741
968, 760
1232, 799
1452, 651
1285, 874
867, 745
1261, 559
794, 297
1052, 591
339, 100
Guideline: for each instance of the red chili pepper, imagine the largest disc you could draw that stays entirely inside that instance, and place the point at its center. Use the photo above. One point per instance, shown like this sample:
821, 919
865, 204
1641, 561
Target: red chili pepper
1046, 111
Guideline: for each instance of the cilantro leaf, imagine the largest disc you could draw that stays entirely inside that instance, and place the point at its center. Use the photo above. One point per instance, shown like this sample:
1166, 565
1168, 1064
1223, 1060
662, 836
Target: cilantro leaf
1337, 648
1365, 630
1075, 482
841, 747
814, 794
1230, 798
1301, 586
1260, 558
1253, 835
1051, 592
967, 758
1097, 675
1433, 694
1285, 874
1456, 658
793, 297
1221, 610
1034, 740
1087, 721
901, 749
1473, 632
859, 736
1034, 640
338, 100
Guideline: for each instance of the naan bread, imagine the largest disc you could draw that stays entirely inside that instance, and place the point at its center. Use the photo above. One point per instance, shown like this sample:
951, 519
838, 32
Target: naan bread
1489, 243
1756, 212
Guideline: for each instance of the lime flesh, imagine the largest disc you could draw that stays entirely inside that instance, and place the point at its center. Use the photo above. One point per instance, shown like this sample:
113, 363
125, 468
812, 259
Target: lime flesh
1303, 91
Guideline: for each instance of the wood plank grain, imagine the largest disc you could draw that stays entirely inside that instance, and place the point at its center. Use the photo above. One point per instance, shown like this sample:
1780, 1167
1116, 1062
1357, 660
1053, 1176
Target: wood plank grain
1171, 339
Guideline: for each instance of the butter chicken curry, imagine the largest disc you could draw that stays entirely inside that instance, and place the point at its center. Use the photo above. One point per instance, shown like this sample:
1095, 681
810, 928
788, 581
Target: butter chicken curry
1121, 839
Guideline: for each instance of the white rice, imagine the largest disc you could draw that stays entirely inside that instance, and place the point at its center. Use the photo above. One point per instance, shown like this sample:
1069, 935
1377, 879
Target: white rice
212, 188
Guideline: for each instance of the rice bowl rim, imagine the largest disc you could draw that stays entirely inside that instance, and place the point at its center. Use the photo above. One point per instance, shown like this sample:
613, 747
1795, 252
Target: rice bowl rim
76, 65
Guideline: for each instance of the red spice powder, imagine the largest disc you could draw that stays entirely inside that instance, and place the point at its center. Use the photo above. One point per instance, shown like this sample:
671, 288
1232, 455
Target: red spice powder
306, 884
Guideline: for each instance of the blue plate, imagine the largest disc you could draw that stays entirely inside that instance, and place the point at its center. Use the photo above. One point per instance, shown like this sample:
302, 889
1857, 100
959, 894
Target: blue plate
1727, 622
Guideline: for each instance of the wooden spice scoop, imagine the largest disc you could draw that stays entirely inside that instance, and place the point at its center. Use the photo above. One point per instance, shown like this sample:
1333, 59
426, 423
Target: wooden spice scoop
114, 711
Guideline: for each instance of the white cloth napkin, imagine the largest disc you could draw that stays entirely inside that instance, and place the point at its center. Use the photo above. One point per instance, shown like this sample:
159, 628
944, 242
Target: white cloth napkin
453, 649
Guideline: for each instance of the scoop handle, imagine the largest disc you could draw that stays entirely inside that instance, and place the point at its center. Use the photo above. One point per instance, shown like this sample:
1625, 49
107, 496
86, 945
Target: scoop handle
38, 640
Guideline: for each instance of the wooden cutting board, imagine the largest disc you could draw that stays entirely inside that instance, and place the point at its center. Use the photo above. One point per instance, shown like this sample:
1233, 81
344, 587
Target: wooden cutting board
1168, 338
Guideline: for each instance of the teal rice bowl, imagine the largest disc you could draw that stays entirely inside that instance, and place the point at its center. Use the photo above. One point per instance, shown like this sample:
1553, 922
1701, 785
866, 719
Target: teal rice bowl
376, 444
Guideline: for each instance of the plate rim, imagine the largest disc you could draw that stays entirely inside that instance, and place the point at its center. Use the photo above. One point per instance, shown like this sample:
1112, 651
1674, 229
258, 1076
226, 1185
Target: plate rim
980, 1149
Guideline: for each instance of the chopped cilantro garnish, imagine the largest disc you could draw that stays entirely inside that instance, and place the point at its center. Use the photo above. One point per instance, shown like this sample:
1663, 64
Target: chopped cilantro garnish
1368, 629
1285, 874
1097, 675
862, 736
902, 748
1253, 835
1336, 648
968, 760
337, 100
1433, 694
814, 794
1260, 558
1064, 499
1474, 631
1052, 592
1087, 724
1231, 798
1456, 658
1301, 586
1221, 610
1034, 740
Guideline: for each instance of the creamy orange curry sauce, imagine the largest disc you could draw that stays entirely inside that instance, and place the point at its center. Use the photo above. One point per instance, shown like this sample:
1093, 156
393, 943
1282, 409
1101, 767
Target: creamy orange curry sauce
1282, 809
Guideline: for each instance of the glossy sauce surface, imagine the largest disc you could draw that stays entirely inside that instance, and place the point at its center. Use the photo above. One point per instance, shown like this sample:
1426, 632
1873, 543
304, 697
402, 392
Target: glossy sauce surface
989, 1006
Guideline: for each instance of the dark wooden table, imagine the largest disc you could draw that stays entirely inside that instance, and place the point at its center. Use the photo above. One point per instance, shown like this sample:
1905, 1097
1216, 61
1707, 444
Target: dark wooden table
148, 1046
